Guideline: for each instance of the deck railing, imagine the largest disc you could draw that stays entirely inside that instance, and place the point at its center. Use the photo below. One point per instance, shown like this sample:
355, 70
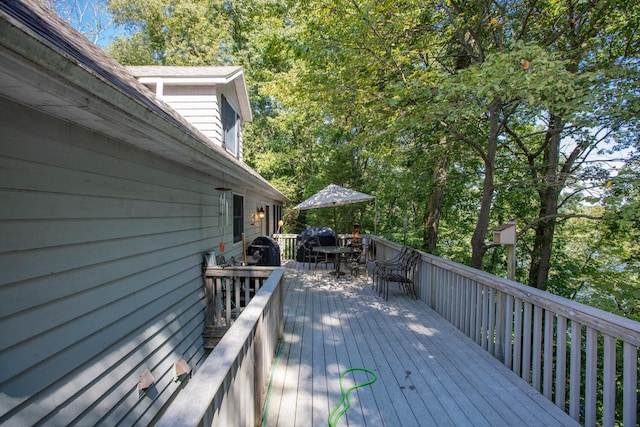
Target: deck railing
583, 359
240, 284
288, 243
229, 389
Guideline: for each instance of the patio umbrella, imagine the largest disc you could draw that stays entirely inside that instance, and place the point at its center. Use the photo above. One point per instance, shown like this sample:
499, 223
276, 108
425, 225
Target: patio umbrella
331, 196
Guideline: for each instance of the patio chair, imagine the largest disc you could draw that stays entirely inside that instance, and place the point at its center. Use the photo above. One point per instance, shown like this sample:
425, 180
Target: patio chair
402, 273
309, 255
375, 266
327, 258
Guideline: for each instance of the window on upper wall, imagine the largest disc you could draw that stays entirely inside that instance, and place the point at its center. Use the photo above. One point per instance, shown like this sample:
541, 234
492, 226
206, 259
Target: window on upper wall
230, 126
238, 217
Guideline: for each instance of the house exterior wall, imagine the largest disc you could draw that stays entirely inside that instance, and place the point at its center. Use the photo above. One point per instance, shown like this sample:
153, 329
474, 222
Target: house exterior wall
100, 272
200, 105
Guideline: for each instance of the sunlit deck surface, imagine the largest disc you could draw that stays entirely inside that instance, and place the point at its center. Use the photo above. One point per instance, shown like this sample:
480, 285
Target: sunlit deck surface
428, 372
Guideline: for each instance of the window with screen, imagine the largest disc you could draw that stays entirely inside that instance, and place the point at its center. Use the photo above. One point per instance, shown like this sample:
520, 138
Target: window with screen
230, 126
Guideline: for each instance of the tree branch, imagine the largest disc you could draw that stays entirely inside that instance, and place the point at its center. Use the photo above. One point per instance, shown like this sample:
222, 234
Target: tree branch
571, 216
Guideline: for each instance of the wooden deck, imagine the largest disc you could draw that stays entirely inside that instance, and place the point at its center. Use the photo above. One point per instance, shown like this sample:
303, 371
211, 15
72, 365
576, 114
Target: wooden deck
428, 372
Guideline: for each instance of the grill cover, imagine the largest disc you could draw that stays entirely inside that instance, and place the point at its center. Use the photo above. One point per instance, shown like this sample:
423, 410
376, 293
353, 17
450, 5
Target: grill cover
326, 236
263, 251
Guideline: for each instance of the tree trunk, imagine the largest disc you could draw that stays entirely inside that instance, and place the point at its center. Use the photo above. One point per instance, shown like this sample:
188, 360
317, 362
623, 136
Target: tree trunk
431, 219
478, 245
549, 194
541, 253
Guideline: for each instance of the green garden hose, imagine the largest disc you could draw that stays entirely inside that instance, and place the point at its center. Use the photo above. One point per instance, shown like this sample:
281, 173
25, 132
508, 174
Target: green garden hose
345, 396
333, 416
273, 370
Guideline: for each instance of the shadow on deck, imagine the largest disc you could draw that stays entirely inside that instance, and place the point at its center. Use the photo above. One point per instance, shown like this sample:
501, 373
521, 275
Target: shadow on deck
428, 372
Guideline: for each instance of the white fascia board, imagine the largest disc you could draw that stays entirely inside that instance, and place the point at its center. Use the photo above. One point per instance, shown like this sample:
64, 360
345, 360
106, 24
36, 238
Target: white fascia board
185, 81
243, 98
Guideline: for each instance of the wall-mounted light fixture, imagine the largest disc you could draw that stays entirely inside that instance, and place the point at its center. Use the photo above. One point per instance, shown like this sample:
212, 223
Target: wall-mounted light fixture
182, 370
146, 382
260, 212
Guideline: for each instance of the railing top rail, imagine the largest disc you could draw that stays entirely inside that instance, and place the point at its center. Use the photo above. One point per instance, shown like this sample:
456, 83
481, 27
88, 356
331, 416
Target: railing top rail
611, 324
294, 235
240, 271
192, 403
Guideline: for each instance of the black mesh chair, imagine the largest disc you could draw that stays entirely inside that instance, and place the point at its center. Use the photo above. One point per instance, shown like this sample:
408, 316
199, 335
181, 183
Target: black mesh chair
326, 258
309, 255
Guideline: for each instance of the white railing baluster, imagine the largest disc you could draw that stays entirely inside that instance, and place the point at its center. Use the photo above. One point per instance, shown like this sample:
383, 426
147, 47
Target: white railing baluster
609, 382
561, 363
442, 287
500, 317
526, 343
547, 377
485, 315
491, 306
227, 300
247, 291
218, 301
467, 308
590, 386
437, 289
237, 299
481, 315
456, 297
473, 307
452, 298
460, 304
445, 293
441, 290
536, 357
508, 332
517, 337
574, 371
630, 379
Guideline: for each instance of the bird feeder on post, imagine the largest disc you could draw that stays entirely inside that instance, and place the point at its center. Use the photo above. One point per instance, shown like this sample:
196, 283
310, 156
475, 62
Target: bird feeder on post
505, 234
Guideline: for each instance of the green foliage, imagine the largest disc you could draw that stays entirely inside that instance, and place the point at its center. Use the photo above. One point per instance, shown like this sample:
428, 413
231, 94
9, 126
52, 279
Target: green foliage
375, 95
176, 32
600, 265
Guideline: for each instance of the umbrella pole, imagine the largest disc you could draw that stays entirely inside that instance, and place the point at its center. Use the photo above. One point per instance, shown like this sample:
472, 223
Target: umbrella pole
375, 216
335, 221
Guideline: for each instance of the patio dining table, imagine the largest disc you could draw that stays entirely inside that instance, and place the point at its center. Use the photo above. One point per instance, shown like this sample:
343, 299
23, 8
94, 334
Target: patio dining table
338, 251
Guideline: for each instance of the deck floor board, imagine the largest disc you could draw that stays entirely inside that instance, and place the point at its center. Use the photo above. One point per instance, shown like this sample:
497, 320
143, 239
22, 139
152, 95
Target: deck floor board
428, 372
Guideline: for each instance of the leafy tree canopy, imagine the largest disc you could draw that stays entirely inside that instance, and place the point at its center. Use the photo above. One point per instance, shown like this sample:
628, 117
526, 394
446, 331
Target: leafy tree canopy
457, 115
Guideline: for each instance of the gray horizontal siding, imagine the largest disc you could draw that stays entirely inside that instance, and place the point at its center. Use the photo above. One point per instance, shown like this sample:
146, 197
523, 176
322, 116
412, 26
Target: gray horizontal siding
199, 105
100, 273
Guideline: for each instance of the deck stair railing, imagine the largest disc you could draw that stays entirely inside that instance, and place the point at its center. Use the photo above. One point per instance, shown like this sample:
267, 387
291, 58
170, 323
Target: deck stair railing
287, 243
228, 291
583, 359
230, 388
